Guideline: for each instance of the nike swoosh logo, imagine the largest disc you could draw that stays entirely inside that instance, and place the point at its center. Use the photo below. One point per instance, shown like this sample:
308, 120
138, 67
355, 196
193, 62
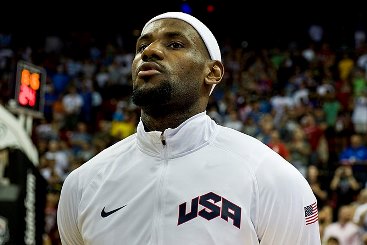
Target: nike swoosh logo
104, 214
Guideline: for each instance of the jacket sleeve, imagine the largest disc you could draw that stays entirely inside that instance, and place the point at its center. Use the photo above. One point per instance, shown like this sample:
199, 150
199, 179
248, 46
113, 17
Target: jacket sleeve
287, 212
67, 212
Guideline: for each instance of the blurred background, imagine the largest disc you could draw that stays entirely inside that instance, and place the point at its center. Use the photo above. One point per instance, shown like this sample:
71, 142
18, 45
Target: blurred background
295, 79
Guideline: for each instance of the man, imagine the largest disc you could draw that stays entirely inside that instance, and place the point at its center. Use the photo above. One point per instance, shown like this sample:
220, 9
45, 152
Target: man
183, 179
344, 229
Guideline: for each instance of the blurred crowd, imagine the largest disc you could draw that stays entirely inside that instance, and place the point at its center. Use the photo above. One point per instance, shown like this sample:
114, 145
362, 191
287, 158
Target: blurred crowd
307, 102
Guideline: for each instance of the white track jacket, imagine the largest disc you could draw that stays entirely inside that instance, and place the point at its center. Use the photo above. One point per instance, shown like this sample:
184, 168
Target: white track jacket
199, 184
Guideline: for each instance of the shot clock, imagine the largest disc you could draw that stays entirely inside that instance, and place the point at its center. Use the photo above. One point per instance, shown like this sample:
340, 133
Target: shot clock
30, 83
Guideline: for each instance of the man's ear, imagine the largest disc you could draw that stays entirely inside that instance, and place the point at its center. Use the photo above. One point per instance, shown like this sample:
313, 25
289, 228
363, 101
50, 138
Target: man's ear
216, 73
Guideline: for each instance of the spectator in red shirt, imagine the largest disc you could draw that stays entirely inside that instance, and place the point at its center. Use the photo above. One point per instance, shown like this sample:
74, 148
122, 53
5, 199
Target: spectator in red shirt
278, 145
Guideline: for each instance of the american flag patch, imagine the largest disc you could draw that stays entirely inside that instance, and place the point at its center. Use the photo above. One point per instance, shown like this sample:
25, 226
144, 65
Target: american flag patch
311, 213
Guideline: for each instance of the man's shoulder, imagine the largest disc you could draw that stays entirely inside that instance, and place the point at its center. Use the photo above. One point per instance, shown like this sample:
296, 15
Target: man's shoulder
238, 141
248, 150
361, 208
269, 168
113, 151
104, 158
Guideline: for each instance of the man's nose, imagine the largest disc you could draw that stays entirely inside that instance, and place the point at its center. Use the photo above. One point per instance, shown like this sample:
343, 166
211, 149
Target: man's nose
152, 52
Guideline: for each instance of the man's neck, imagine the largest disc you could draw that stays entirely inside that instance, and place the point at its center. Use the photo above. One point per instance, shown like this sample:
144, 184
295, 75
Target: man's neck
162, 123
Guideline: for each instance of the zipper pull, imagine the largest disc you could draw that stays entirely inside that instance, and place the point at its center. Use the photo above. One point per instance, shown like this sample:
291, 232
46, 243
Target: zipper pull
163, 139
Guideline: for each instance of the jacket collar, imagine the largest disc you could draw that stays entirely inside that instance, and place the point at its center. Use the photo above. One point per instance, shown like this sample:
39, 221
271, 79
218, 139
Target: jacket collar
191, 135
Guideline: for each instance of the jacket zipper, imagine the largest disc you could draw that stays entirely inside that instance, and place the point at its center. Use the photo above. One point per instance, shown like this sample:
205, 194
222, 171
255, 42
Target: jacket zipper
163, 139
160, 195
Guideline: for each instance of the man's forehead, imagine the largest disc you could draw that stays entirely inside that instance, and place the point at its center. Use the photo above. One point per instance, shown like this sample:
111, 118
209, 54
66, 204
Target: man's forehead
169, 25
194, 24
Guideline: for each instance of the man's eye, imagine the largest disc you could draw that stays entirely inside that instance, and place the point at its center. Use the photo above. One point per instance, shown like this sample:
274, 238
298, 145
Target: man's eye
141, 48
175, 45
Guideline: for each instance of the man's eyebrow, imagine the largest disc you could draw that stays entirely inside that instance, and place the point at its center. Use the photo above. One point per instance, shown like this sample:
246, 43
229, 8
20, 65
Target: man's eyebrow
174, 34
144, 37
171, 34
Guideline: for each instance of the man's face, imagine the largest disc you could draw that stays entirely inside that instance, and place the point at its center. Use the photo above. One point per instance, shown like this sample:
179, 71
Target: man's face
168, 68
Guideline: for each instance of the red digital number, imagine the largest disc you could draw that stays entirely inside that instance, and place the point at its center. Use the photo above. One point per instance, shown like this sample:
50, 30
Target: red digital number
27, 95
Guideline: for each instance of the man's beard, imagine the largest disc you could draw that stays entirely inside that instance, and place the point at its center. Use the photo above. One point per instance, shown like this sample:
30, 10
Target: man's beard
153, 99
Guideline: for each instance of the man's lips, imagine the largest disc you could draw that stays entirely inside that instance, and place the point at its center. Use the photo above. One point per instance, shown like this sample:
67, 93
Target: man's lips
148, 69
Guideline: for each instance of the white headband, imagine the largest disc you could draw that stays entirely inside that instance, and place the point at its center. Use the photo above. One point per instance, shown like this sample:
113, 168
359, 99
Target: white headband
204, 32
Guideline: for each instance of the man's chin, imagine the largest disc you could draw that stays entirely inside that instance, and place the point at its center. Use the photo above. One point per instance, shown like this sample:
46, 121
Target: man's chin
152, 96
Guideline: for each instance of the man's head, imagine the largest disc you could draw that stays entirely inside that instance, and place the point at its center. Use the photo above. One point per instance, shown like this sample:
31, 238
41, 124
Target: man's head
176, 65
204, 32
